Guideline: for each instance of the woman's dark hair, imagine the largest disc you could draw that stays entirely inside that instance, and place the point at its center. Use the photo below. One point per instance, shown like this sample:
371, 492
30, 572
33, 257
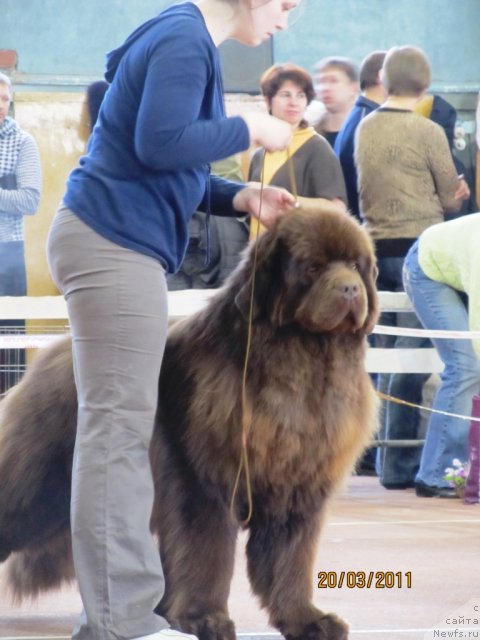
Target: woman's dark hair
274, 77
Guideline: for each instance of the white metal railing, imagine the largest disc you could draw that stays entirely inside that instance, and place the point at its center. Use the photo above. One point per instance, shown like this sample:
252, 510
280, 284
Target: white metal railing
183, 303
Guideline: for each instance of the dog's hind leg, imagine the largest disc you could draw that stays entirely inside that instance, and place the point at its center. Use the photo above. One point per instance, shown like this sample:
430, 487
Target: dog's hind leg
43, 515
37, 433
280, 555
197, 544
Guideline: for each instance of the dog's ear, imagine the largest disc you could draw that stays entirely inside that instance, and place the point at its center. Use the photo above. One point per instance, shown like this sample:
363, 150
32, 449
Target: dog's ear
370, 279
265, 273
244, 302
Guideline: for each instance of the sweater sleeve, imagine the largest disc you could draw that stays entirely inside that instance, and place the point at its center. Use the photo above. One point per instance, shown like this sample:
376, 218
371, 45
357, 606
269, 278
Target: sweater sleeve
175, 129
443, 169
474, 292
219, 197
24, 199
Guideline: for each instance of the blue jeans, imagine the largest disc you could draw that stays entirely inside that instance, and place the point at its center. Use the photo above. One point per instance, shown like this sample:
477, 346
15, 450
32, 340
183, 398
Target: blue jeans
440, 307
13, 276
13, 282
396, 466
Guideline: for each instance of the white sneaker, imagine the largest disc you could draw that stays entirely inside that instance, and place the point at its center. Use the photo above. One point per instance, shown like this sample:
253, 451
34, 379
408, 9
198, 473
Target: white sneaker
168, 634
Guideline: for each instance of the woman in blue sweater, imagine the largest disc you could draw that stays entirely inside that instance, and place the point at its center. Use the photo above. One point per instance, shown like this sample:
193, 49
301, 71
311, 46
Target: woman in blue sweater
121, 227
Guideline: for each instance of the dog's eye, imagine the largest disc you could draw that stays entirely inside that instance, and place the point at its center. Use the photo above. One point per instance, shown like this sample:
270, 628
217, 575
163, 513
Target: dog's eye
313, 269
354, 265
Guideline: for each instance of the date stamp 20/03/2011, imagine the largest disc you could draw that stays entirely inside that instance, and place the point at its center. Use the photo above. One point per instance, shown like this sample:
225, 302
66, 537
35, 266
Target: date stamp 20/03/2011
364, 579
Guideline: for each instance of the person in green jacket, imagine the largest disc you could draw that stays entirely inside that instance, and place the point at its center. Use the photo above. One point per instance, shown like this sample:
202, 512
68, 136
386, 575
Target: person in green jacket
442, 279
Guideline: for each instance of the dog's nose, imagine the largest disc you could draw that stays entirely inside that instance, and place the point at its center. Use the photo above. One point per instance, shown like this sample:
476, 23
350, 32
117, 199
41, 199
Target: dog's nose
349, 290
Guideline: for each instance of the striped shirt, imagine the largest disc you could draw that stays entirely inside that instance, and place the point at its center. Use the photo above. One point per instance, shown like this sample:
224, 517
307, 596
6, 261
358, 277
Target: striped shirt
20, 179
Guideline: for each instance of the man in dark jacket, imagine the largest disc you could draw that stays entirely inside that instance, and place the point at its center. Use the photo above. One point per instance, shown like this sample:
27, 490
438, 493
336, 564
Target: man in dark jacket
373, 94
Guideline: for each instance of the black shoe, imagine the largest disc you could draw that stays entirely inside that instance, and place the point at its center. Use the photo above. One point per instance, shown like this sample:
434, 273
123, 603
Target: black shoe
426, 491
397, 485
366, 465
365, 470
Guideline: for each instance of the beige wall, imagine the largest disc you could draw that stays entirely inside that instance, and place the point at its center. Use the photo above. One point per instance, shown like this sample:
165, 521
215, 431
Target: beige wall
58, 122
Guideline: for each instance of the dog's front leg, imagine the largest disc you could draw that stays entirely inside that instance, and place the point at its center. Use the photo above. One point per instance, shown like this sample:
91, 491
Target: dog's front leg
197, 547
280, 554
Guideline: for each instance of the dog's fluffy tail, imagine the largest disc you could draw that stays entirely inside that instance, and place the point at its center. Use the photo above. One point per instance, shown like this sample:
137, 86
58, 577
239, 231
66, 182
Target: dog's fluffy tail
31, 572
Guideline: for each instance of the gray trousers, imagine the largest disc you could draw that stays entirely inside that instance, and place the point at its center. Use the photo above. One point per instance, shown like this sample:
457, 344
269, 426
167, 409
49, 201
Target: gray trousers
117, 306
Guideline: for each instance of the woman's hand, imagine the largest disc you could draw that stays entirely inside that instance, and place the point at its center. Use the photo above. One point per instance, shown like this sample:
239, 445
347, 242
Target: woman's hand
339, 205
269, 132
268, 206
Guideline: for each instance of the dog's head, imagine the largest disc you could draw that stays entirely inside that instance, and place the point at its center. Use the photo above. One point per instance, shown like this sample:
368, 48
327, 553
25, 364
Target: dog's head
315, 270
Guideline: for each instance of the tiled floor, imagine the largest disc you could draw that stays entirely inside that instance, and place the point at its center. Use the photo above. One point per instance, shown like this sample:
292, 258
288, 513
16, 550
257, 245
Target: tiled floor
432, 542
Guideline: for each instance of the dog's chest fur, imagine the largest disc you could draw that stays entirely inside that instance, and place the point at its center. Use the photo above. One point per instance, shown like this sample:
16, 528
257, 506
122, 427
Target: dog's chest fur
301, 419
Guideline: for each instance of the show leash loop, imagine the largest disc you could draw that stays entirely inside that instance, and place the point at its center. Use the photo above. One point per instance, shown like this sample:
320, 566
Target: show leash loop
243, 465
246, 412
293, 180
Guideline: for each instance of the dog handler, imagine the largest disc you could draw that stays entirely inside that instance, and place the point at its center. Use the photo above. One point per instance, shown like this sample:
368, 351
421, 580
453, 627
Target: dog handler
121, 227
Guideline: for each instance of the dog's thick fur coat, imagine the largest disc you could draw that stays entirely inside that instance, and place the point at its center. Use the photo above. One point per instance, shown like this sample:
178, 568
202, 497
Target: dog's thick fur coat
312, 410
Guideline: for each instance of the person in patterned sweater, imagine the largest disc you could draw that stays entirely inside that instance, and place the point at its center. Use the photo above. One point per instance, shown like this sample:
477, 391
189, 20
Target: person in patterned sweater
20, 188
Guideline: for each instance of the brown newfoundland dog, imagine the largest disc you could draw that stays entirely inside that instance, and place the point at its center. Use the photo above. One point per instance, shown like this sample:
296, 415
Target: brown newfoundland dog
311, 411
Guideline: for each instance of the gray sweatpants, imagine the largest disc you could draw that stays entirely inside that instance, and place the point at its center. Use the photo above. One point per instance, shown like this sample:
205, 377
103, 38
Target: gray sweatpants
117, 306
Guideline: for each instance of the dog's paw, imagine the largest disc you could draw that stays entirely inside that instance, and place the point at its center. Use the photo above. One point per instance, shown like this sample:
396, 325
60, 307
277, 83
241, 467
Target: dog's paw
327, 626
215, 626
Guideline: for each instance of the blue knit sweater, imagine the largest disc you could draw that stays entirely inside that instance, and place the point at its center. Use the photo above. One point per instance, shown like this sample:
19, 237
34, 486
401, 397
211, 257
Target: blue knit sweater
161, 123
